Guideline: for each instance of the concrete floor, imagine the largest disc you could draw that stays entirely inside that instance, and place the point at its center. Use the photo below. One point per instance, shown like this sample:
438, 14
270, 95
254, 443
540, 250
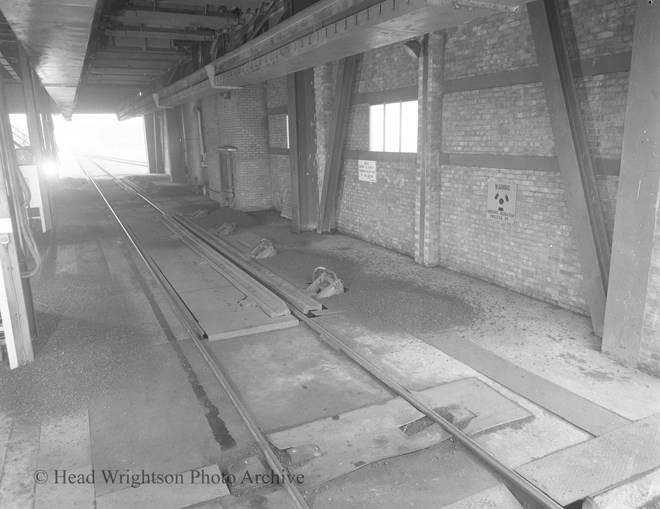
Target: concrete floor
108, 363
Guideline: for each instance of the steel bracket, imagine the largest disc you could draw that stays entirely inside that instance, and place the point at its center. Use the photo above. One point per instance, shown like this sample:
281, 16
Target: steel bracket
158, 105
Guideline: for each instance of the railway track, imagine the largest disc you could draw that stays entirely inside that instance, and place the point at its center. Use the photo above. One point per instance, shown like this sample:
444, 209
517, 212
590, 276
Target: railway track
528, 494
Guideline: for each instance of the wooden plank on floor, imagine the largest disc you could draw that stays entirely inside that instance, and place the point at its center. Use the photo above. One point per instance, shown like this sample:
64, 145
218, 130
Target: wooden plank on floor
227, 313
17, 482
577, 410
598, 464
346, 442
167, 496
65, 445
186, 271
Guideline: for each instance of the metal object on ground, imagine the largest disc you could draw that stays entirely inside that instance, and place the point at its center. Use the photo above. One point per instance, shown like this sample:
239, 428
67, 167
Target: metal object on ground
264, 249
199, 213
325, 284
226, 229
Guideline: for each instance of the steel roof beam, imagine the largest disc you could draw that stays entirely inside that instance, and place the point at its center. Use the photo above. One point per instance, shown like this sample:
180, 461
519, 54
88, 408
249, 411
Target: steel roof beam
172, 34
140, 54
201, 4
123, 71
162, 65
215, 21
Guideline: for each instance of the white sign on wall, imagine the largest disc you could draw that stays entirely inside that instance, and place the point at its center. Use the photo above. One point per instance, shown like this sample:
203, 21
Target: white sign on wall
501, 201
367, 171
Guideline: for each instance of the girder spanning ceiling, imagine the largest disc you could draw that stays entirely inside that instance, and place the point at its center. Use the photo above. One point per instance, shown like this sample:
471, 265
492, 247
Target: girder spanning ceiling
128, 55
325, 32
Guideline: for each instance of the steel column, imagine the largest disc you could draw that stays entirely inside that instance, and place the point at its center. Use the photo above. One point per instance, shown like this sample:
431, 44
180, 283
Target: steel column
150, 141
572, 149
302, 139
192, 143
342, 101
429, 151
35, 131
174, 145
634, 292
159, 148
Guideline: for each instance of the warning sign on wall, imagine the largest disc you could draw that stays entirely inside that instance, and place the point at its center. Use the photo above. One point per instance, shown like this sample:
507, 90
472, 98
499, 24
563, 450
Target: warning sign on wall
367, 171
501, 202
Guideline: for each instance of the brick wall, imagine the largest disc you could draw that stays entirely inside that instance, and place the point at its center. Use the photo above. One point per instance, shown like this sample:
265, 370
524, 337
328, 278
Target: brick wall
536, 255
240, 120
382, 212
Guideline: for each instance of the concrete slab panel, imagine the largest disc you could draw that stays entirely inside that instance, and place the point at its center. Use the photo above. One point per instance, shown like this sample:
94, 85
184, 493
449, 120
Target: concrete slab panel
124, 265
497, 497
276, 500
353, 439
292, 378
17, 483
65, 259
65, 445
167, 495
596, 465
5, 430
642, 493
152, 420
431, 478
577, 410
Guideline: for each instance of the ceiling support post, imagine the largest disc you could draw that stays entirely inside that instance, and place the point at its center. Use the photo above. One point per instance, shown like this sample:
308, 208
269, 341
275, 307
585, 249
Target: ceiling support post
302, 140
150, 140
36, 133
429, 149
343, 92
575, 164
632, 320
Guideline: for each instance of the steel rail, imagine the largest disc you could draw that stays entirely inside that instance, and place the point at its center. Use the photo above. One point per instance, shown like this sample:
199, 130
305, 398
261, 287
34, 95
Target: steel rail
184, 314
272, 460
509, 475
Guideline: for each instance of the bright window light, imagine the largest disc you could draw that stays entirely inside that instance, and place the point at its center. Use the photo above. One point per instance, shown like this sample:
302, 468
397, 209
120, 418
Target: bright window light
409, 126
288, 141
102, 135
393, 127
376, 127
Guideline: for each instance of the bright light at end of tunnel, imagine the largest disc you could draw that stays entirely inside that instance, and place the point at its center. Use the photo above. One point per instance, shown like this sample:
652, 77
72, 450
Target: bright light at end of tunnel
50, 167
